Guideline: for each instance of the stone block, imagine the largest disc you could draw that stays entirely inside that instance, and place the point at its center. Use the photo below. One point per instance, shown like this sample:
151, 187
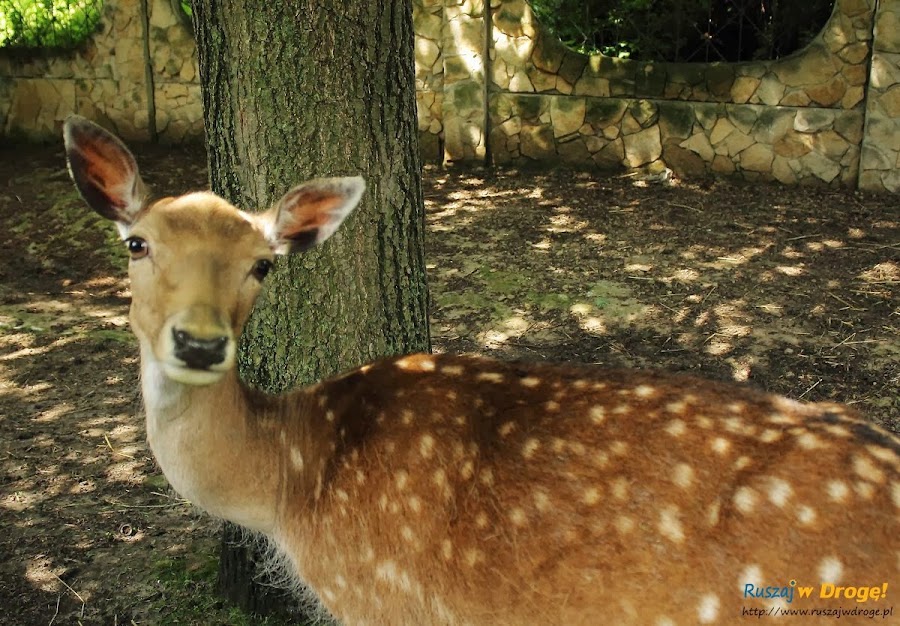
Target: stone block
782, 171
770, 91
566, 114
820, 166
757, 158
676, 120
735, 143
548, 54
601, 113
890, 102
830, 144
574, 151
828, 94
642, 147
721, 130
850, 126
591, 85
650, 80
855, 52
814, 65
612, 155
720, 79
683, 162
722, 165
572, 66
699, 143
793, 145
772, 124
743, 117
887, 30
427, 52
813, 120
644, 112
537, 142
743, 88
795, 98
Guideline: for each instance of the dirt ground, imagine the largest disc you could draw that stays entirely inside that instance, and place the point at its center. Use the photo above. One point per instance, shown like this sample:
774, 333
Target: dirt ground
793, 290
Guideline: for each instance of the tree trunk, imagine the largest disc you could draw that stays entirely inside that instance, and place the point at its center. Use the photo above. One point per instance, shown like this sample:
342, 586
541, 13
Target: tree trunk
297, 90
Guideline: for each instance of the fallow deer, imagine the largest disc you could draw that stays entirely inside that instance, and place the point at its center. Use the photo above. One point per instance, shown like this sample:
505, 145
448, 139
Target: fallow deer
438, 489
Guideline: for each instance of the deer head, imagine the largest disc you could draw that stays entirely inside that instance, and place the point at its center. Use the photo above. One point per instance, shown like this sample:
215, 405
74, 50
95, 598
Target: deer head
197, 262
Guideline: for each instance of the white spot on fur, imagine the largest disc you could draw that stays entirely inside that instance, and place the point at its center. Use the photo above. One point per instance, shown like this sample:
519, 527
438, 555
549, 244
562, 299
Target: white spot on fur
619, 448
645, 391
806, 515
745, 500
517, 516
297, 459
490, 377
837, 490
624, 524
683, 475
598, 414
867, 470
830, 570
426, 446
619, 488
670, 525
541, 500
447, 549
751, 574
720, 446
676, 428
530, 381
779, 491
591, 496
770, 435
530, 447
708, 608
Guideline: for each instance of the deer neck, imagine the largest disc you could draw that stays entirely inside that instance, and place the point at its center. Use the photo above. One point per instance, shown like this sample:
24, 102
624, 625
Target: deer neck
210, 446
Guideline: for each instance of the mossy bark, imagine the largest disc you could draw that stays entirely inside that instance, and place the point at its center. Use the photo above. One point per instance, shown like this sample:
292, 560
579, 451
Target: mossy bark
297, 90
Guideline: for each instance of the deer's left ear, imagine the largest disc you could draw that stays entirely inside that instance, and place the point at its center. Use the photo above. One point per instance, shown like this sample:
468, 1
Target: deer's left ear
309, 214
104, 171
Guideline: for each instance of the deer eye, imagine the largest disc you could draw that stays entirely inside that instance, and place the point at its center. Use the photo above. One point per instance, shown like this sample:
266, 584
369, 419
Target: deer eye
261, 268
137, 248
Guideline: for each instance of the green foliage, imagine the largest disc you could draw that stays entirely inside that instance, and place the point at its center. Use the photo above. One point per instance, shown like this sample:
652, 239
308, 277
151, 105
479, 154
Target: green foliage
186, 7
29, 24
684, 30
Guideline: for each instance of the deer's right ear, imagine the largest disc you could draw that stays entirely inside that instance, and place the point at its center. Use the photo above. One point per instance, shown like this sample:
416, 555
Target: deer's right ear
104, 171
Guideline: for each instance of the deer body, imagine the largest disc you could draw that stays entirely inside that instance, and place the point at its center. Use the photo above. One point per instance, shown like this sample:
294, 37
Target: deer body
436, 489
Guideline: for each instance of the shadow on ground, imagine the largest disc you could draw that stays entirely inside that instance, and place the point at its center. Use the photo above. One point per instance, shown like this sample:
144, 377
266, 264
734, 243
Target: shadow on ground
793, 290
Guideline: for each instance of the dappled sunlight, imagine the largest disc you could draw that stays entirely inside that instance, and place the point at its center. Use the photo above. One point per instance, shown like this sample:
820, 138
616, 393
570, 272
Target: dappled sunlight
649, 275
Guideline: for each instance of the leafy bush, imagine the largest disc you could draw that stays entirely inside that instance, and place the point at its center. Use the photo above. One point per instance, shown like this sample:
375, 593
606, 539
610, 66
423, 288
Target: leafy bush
685, 30
32, 24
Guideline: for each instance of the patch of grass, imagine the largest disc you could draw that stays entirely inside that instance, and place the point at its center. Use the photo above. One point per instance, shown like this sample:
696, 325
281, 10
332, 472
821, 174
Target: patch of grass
188, 596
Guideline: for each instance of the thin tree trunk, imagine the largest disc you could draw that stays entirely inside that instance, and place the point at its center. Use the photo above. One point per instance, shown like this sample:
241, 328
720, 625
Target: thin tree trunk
296, 90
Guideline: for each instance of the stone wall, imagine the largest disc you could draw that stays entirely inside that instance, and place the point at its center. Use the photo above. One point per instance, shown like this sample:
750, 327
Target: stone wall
107, 80
493, 85
880, 168
796, 119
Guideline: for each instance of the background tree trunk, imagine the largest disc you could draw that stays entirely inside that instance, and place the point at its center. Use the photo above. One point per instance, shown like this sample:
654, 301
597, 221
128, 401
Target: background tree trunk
301, 89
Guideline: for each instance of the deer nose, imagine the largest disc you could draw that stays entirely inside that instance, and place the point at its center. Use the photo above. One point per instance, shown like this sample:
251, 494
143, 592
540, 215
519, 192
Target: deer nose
199, 353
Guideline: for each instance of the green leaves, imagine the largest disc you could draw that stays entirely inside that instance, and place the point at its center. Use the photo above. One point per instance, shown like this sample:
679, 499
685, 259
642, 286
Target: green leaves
30, 24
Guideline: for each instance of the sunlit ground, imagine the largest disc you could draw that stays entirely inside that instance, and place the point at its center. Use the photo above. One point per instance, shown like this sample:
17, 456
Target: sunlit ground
792, 290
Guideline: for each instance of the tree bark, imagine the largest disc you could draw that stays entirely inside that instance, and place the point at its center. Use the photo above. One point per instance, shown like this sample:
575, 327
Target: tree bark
297, 90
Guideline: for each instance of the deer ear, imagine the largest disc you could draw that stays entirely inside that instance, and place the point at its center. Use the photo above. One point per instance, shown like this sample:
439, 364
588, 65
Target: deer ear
309, 214
104, 171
